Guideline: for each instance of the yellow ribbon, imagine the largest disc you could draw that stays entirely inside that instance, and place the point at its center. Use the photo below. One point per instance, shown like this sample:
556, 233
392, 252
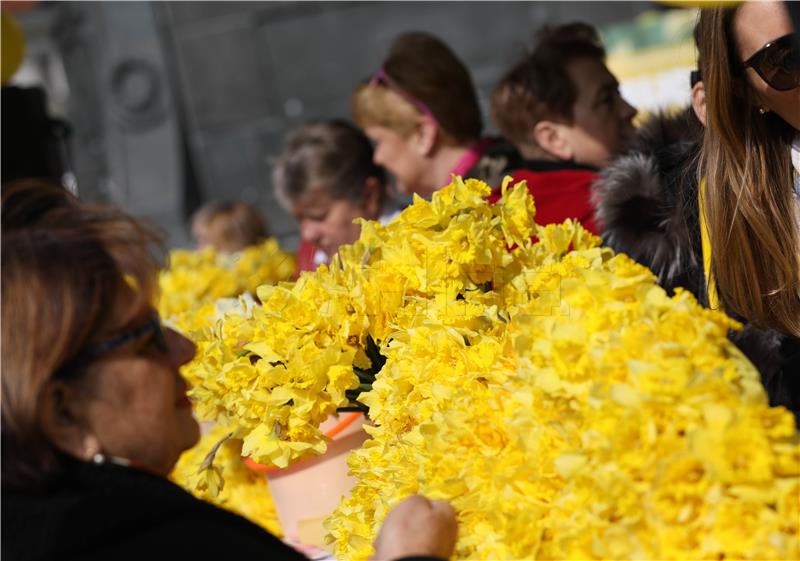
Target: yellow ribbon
711, 286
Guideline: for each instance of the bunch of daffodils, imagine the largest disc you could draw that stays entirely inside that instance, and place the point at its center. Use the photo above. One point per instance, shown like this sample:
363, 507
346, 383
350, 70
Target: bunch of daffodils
549, 389
196, 290
196, 277
217, 475
621, 425
276, 371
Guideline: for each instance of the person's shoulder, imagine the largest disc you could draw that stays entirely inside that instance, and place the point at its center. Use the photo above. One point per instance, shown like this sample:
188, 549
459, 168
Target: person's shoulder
212, 532
115, 512
158, 515
554, 174
198, 530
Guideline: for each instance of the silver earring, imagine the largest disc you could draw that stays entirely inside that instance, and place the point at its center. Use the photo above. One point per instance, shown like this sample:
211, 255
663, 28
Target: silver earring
99, 459
762, 110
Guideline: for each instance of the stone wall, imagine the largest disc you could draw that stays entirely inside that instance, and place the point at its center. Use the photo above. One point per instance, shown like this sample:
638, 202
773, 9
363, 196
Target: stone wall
234, 77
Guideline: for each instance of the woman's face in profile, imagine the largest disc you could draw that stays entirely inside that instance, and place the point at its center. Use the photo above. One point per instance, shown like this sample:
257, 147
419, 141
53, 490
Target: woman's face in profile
755, 25
135, 398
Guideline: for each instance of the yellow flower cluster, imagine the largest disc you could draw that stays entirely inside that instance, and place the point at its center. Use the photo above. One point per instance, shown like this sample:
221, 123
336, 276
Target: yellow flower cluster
276, 371
198, 288
622, 426
547, 388
196, 277
226, 482
272, 383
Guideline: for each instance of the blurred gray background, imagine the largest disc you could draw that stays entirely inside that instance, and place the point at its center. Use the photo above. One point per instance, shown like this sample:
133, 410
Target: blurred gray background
173, 104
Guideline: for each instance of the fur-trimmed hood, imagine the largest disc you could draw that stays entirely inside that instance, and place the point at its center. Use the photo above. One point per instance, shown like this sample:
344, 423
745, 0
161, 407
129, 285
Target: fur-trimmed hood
647, 200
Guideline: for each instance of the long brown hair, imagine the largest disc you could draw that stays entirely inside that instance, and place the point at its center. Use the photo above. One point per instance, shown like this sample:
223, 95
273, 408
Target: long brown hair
63, 272
749, 206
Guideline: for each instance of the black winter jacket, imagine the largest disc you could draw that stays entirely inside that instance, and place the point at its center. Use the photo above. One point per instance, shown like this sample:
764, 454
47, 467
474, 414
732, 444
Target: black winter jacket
109, 512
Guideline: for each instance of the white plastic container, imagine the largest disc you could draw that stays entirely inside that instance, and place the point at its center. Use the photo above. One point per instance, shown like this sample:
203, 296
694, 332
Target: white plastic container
307, 492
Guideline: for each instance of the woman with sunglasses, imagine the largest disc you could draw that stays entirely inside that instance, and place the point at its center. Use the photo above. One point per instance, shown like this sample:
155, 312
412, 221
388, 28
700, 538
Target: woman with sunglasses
421, 112
749, 202
94, 409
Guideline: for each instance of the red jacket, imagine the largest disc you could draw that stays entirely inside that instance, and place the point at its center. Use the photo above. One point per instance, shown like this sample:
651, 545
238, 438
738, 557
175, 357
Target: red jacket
560, 190
305, 258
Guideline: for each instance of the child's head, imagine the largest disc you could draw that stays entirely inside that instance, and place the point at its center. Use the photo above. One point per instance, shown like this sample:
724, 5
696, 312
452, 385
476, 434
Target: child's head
228, 226
326, 178
561, 102
421, 99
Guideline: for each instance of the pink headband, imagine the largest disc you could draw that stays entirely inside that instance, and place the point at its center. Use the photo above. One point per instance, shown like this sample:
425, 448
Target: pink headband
382, 78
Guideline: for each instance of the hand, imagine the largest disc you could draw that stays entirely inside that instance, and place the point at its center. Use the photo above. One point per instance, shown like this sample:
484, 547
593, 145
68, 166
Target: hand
417, 527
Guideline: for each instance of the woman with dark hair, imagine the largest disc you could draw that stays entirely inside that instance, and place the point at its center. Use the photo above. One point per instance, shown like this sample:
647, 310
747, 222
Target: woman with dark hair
94, 409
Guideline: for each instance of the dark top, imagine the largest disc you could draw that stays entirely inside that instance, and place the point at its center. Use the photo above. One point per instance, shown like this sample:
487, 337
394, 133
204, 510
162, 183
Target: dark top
110, 512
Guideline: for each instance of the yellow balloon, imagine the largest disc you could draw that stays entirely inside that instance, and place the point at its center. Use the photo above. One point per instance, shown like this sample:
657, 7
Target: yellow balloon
13, 46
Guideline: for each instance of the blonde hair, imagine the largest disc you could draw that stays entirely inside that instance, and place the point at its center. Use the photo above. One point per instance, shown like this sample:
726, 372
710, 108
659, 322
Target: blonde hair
377, 106
749, 206
425, 69
230, 226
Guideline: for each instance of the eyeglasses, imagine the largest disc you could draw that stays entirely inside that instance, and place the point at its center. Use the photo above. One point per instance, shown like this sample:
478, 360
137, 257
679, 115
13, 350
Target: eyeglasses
98, 350
153, 326
382, 78
778, 63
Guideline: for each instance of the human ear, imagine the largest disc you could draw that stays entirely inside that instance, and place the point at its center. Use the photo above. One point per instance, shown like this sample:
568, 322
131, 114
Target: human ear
553, 139
699, 101
372, 198
426, 135
62, 419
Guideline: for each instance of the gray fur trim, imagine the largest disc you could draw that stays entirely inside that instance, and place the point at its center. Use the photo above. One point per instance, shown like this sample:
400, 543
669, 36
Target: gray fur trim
639, 221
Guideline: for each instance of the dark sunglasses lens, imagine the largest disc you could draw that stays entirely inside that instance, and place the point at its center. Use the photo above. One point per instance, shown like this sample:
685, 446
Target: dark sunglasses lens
779, 64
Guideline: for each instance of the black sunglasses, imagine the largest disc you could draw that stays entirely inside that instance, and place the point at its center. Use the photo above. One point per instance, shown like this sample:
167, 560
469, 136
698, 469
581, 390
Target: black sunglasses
98, 350
778, 63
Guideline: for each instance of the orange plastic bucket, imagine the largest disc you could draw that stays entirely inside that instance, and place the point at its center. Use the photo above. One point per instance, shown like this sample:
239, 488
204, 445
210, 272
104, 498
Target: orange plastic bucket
307, 492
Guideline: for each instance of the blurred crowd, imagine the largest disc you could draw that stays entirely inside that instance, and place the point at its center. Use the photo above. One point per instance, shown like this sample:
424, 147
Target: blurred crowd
707, 198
